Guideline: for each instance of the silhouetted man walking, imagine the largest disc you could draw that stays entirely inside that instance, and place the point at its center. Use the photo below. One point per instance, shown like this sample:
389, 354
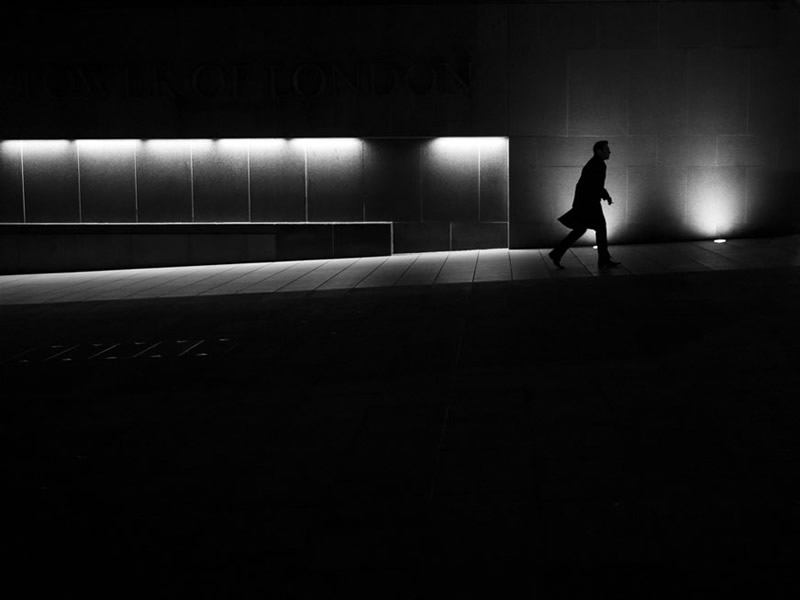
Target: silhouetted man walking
586, 212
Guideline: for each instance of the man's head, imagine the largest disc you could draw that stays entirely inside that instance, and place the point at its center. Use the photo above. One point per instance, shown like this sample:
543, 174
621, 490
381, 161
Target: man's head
601, 149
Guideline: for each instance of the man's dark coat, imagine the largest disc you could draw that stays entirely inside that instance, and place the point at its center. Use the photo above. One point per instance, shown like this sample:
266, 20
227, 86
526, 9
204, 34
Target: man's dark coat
586, 212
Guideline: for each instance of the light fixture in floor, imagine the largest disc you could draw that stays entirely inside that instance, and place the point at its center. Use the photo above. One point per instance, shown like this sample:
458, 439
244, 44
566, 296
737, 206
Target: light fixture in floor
720, 241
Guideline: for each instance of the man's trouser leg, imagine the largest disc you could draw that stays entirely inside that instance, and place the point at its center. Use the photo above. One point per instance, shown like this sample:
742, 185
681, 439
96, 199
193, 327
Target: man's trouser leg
564, 244
603, 256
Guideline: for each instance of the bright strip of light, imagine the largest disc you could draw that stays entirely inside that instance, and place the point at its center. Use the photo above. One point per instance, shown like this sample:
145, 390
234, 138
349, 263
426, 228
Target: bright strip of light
167, 145
467, 143
45, 145
109, 145
328, 143
260, 143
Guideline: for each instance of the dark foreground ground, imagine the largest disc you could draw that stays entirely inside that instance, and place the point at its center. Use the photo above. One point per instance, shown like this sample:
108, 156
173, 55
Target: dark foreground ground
574, 438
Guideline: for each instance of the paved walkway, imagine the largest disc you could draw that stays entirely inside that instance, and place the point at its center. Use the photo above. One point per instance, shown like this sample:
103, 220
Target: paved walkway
456, 425
434, 268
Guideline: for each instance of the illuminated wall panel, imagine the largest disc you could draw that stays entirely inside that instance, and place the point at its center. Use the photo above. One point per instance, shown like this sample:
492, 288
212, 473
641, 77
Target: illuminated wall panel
658, 203
747, 150
12, 208
715, 201
108, 181
523, 180
334, 179
617, 214
539, 195
450, 180
493, 193
50, 176
392, 180
164, 181
220, 182
687, 150
277, 181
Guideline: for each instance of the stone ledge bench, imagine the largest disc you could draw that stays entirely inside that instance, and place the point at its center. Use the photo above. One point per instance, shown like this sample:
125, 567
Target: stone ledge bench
36, 248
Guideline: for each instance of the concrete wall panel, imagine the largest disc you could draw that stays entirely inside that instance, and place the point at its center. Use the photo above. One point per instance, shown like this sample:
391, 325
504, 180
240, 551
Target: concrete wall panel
717, 91
493, 193
598, 92
392, 181
450, 180
689, 24
750, 24
277, 180
164, 181
50, 174
220, 181
687, 150
658, 94
12, 209
656, 202
715, 201
469, 236
335, 179
621, 25
774, 87
431, 236
108, 181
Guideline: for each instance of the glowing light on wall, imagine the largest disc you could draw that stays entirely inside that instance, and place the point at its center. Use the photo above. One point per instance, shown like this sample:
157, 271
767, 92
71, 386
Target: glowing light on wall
10, 147
328, 143
711, 212
201, 144
108, 145
46, 146
162, 145
260, 143
468, 143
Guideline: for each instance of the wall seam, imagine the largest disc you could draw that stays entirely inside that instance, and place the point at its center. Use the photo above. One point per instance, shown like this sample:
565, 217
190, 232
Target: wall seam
135, 186
361, 186
480, 216
249, 199
78, 161
191, 177
421, 175
22, 182
508, 192
305, 178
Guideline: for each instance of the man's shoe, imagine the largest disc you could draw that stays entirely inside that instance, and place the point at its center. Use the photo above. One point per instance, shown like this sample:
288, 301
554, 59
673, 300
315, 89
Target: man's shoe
608, 263
556, 261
